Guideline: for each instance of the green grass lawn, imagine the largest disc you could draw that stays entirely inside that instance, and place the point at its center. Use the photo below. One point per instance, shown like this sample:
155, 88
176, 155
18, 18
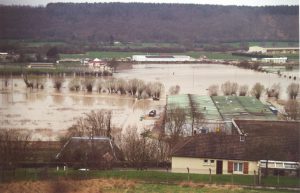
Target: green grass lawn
154, 177
194, 54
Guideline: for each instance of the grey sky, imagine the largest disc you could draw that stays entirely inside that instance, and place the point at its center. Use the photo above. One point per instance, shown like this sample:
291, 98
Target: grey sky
218, 2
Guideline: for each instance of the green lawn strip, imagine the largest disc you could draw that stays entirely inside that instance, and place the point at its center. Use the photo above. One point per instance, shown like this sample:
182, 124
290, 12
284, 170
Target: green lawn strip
194, 54
147, 177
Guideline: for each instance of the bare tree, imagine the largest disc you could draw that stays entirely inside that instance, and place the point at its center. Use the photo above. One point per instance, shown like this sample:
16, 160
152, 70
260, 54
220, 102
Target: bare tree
88, 84
34, 81
57, 82
292, 109
74, 84
173, 90
174, 124
213, 90
95, 123
100, 85
293, 90
229, 88
14, 146
139, 149
141, 86
274, 91
121, 86
243, 90
157, 89
257, 90
133, 86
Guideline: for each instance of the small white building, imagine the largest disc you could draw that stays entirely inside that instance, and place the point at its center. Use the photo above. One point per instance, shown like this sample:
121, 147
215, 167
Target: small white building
161, 58
275, 60
277, 50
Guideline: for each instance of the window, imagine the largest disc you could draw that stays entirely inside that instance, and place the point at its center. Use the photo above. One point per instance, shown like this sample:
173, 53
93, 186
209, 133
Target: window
238, 167
205, 162
212, 161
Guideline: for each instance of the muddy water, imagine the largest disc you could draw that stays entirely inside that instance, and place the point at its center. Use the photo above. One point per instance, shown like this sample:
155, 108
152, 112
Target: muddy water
49, 113
196, 78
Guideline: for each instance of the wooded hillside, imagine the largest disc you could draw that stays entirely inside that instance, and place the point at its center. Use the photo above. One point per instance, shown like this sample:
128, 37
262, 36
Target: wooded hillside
135, 22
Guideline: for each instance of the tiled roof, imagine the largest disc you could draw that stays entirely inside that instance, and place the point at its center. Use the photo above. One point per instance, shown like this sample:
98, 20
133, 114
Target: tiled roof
274, 140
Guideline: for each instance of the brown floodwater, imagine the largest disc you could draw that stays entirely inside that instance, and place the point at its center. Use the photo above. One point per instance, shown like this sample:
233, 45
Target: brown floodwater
49, 113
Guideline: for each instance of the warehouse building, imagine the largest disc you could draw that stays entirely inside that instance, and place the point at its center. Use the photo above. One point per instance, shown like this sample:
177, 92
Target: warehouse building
265, 50
161, 58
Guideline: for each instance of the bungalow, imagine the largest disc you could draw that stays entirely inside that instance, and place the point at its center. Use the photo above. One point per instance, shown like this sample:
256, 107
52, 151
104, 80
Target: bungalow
247, 151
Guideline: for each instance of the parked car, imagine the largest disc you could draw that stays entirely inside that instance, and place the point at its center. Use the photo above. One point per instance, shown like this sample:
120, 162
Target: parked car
152, 113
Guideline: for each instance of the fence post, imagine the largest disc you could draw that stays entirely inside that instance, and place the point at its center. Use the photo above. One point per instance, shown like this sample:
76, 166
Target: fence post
188, 170
209, 175
232, 178
254, 178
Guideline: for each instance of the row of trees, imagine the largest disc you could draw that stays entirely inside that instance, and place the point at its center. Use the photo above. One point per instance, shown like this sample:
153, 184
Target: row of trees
133, 87
232, 88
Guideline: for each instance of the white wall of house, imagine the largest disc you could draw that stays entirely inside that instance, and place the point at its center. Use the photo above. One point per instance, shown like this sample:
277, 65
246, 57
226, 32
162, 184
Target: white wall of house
202, 165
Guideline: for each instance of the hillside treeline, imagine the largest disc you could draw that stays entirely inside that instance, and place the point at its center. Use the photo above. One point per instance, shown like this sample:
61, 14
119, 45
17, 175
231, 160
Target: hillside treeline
138, 22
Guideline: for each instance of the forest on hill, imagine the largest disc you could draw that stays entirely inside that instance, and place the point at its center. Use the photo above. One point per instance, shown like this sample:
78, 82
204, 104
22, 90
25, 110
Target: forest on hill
139, 22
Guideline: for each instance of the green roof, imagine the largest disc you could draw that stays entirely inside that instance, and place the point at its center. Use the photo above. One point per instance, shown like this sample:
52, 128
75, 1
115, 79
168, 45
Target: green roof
242, 107
206, 106
222, 107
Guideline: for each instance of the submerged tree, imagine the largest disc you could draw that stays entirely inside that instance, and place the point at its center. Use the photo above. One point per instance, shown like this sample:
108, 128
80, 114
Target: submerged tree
74, 84
243, 90
274, 91
213, 90
229, 88
88, 84
57, 82
257, 90
173, 90
293, 90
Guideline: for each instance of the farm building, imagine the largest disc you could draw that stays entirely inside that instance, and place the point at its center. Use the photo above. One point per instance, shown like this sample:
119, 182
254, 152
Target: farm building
275, 60
161, 58
283, 50
242, 107
98, 152
243, 152
41, 65
216, 112
211, 120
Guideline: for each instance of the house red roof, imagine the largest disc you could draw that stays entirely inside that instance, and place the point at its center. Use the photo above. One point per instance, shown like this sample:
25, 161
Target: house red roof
273, 140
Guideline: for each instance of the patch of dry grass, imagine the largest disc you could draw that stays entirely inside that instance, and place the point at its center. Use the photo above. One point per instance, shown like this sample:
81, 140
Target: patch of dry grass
68, 186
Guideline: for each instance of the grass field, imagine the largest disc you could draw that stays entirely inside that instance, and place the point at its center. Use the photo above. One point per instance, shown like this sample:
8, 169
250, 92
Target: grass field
154, 177
119, 185
194, 54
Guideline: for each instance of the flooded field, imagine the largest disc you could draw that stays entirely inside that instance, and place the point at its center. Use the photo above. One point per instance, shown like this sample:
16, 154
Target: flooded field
49, 113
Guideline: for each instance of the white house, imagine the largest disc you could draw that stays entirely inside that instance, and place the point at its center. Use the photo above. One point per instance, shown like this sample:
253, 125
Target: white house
243, 152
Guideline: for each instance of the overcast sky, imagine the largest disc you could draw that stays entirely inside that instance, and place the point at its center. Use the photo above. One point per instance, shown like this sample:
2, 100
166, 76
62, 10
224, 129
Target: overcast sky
218, 2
